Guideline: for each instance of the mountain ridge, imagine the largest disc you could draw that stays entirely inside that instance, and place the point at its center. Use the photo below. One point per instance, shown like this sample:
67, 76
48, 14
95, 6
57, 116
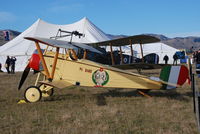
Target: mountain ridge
13, 34
176, 42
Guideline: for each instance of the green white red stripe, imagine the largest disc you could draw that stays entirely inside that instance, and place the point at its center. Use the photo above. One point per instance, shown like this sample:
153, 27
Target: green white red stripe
176, 75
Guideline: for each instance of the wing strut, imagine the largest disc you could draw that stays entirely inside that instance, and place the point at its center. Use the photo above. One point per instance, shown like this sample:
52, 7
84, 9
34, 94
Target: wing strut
142, 52
42, 59
54, 62
131, 44
111, 53
121, 56
85, 54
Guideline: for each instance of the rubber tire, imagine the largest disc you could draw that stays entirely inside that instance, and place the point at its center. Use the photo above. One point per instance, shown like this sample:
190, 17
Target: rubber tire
36, 94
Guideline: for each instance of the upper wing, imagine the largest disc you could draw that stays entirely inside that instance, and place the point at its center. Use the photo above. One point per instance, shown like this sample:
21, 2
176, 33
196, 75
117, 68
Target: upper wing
62, 44
137, 39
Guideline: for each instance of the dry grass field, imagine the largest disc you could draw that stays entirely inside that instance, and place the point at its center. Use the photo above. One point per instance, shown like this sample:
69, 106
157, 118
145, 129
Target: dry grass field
81, 110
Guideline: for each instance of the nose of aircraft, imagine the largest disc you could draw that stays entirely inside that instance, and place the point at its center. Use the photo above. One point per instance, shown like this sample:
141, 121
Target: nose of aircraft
34, 62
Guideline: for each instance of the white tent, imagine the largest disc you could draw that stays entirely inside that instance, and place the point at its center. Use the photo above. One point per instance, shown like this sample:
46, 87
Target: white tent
160, 49
22, 49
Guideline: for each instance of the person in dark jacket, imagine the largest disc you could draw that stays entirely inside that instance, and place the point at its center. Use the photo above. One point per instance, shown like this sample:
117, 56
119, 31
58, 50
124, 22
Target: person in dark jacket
12, 64
166, 58
7, 64
0, 67
175, 57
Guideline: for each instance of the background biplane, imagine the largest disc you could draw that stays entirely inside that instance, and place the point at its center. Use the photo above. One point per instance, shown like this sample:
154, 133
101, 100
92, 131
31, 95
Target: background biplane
117, 58
61, 67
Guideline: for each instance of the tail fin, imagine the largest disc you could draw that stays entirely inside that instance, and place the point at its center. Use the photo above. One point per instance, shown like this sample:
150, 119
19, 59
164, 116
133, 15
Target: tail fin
174, 75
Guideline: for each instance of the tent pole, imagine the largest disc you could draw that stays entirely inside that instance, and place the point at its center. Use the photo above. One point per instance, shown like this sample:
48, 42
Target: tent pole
111, 53
42, 59
122, 61
142, 52
54, 62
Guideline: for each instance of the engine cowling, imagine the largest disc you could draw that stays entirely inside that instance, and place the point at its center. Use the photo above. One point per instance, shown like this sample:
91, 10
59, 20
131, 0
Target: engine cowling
34, 62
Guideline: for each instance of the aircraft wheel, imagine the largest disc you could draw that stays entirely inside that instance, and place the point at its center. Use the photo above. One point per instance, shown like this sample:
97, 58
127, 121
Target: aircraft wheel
32, 94
46, 90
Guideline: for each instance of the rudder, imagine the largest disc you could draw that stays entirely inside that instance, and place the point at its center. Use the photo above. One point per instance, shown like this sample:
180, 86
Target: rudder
174, 75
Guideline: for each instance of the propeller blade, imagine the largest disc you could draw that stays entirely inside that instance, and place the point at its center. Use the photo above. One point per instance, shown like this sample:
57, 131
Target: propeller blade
24, 76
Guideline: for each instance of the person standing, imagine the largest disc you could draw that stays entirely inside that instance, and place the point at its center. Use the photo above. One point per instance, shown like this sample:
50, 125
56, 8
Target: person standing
166, 58
7, 64
175, 57
0, 68
12, 63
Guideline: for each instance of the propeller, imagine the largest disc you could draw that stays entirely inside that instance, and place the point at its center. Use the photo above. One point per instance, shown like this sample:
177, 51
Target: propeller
34, 63
24, 76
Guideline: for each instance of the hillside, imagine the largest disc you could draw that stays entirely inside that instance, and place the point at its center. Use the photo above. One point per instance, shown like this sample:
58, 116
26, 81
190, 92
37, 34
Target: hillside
13, 34
177, 42
180, 42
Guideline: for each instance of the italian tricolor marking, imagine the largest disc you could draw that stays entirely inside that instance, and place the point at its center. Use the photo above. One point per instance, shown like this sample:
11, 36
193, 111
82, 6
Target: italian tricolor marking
174, 75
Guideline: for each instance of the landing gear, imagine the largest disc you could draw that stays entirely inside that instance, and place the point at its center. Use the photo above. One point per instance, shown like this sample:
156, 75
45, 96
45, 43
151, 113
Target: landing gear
32, 94
46, 90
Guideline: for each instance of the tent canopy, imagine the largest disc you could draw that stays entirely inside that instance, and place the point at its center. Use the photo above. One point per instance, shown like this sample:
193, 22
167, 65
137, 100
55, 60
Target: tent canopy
22, 49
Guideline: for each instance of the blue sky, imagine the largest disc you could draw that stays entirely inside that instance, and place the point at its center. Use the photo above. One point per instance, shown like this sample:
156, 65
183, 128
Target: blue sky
130, 17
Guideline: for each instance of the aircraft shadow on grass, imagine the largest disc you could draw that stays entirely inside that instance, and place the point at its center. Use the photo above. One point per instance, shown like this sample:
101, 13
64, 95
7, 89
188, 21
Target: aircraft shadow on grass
101, 97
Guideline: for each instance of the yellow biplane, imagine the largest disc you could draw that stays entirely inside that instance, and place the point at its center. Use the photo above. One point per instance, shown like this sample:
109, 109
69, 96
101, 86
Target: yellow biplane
61, 68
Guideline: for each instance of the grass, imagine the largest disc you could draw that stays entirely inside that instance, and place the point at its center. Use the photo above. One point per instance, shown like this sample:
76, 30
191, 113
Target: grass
81, 110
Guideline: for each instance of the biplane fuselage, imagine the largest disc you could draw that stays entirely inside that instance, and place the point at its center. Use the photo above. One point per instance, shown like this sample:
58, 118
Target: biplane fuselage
87, 73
